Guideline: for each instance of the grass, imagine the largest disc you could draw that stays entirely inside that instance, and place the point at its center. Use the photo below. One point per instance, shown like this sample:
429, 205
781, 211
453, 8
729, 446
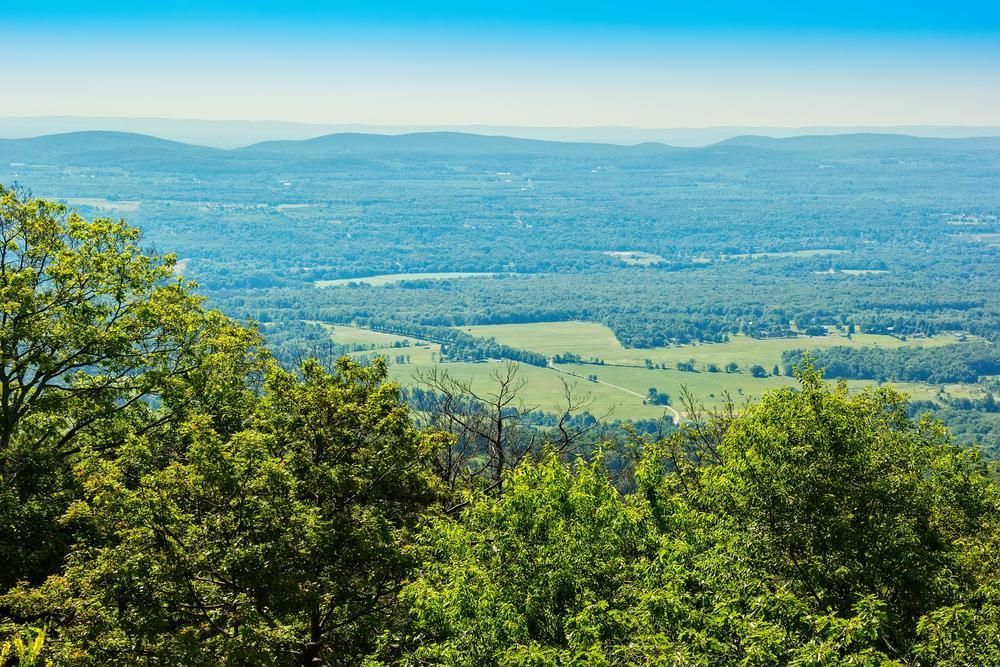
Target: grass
101, 204
347, 335
850, 272
617, 386
544, 389
621, 387
635, 257
708, 387
550, 338
818, 252
389, 278
591, 340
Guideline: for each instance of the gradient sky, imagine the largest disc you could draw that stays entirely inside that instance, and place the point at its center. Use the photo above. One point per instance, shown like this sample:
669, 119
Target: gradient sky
513, 62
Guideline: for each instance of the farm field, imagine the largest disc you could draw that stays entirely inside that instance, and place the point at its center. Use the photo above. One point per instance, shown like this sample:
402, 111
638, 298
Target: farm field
711, 388
592, 340
348, 335
105, 205
544, 389
620, 389
389, 278
816, 252
851, 272
635, 257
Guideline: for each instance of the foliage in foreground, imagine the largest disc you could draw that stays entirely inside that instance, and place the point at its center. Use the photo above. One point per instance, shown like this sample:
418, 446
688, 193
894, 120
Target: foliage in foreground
278, 543
821, 528
170, 495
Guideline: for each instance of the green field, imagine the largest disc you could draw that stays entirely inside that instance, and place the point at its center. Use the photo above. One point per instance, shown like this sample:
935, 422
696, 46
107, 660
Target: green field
545, 387
850, 272
348, 335
620, 388
635, 257
389, 278
102, 204
590, 340
817, 252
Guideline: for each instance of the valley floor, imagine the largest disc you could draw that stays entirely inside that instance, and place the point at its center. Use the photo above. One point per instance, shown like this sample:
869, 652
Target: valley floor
619, 378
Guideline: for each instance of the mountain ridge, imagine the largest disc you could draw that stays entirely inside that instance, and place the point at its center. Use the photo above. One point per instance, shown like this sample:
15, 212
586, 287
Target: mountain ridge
437, 141
102, 146
238, 133
860, 141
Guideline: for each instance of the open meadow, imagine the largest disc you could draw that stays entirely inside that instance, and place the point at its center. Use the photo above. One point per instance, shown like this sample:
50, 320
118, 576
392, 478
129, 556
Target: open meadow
391, 278
624, 379
344, 334
591, 340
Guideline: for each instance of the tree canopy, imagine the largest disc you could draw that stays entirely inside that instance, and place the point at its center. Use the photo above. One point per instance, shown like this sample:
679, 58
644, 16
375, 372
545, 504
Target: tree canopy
813, 528
171, 494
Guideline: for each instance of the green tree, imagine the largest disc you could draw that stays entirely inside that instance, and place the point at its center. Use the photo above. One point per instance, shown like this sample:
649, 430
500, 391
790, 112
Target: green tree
92, 333
281, 543
846, 500
813, 528
537, 575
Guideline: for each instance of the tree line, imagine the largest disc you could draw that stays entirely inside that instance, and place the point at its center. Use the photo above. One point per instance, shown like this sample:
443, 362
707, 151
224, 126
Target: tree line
963, 362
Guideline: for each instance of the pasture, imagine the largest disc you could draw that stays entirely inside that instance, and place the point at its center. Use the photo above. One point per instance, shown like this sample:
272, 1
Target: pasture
620, 388
103, 205
545, 386
390, 278
592, 340
816, 252
635, 257
544, 389
343, 334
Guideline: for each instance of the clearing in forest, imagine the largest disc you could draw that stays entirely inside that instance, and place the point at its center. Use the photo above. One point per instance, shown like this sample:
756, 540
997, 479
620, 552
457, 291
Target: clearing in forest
625, 378
343, 334
596, 341
635, 257
389, 278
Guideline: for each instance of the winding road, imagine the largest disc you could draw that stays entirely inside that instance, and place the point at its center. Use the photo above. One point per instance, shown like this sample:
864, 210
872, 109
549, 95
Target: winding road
676, 415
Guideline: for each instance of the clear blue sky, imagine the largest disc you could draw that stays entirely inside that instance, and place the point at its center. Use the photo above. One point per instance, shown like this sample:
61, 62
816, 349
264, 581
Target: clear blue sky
663, 64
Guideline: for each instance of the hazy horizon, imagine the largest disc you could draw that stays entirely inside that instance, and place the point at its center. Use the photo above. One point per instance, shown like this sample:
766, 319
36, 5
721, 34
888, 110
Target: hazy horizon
234, 133
517, 64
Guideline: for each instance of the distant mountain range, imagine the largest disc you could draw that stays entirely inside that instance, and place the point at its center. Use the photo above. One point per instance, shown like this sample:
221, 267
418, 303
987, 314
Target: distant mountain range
863, 141
438, 142
103, 148
239, 133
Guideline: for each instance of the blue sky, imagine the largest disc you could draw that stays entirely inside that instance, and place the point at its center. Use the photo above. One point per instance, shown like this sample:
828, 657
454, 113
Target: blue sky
960, 16
663, 64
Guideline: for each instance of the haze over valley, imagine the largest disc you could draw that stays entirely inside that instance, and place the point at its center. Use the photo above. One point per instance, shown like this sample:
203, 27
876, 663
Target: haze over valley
790, 241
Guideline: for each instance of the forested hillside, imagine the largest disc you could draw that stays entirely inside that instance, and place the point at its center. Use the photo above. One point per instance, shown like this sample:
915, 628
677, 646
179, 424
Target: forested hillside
172, 495
890, 234
417, 234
